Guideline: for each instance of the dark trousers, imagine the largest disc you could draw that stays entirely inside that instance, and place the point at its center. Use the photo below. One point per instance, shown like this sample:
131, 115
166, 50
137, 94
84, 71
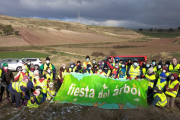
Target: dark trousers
3, 90
15, 96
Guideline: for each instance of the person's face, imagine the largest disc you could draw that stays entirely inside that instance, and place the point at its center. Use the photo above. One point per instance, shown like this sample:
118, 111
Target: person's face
155, 91
105, 68
129, 61
94, 61
144, 63
78, 63
174, 61
116, 60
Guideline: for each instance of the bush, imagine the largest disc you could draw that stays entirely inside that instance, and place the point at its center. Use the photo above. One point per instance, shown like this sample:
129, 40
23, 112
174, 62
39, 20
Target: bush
7, 30
170, 30
140, 29
16, 33
150, 29
160, 30
96, 54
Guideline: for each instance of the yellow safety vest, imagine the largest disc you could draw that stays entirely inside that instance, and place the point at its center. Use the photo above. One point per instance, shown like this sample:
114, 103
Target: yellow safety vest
21, 76
17, 86
31, 75
155, 68
163, 101
86, 63
134, 72
0, 73
161, 85
152, 78
35, 105
175, 70
51, 92
45, 66
63, 74
144, 71
72, 70
49, 76
27, 69
43, 85
172, 85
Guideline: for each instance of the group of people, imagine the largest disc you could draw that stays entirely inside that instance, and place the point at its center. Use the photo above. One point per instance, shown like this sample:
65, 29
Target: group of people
33, 86
163, 79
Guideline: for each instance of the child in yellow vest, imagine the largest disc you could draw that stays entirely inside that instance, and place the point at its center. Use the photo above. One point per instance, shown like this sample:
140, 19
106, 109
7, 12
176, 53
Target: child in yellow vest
51, 91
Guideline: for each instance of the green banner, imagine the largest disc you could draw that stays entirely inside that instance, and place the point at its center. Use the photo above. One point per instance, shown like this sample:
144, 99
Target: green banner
97, 90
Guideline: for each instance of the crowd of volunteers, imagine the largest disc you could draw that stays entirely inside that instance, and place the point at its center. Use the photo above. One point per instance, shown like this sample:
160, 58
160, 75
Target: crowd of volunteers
33, 86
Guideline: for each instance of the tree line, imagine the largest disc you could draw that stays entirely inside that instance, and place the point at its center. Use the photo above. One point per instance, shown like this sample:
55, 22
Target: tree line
158, 30
8, 30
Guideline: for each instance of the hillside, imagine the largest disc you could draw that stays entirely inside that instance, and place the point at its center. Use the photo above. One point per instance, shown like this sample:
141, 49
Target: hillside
60, 25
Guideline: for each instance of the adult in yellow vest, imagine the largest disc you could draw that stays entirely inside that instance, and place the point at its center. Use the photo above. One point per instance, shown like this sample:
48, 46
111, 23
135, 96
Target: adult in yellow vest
134, 71
18, 88
151, 77
160, 99
51, 91
34, 101
44, 66
87, 62
172, 90
153, 64
174, 67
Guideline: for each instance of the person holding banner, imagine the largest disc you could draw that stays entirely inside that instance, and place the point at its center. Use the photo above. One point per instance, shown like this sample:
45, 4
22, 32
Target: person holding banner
134, 71
122, 71
87, 62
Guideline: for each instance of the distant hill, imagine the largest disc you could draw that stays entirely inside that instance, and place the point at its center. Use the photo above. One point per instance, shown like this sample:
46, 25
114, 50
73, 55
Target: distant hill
62, 25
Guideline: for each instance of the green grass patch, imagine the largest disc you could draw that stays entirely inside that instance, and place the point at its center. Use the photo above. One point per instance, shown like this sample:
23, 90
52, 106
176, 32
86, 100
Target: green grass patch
161, 34
22, 54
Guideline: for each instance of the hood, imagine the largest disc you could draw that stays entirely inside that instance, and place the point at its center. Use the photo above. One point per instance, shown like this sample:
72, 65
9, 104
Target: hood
175, 76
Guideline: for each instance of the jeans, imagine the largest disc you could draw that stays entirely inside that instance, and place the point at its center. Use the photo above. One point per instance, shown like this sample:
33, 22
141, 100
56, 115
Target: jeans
44, 97
15, 96
170, 101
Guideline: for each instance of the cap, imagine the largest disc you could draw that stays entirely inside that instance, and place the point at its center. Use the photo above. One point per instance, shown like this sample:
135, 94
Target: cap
47, 58
5, 65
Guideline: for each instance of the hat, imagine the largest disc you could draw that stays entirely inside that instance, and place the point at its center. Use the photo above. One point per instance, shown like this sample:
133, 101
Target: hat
153, 60
160, 63
5, 65
124, 62
175, 76
163, 75
165, 68
135, 60
156, 88
25, 78
36, 92
167, 62
150, 69
114, 72
47, 58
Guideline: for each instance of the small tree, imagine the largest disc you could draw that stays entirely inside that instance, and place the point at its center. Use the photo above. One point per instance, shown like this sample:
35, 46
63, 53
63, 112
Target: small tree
179, 28
170, 30
16, 33
150, 29
7, 30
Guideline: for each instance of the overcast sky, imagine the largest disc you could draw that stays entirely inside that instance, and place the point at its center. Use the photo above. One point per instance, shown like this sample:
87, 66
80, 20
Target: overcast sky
120, 13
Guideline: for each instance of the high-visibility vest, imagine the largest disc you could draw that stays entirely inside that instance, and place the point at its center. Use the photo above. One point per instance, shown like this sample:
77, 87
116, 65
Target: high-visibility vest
63, 74
133, 72
158, 72
30, 105
31, 75
43, 85
17, 86
45, 66
152, 78
163, 101
86, 63
49, 76
51, 92
0, 73
144, 71
172, 85
22, 76
91, 72
27, 69
72, 69
175, 69
155, 68
161, 85
108, 73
